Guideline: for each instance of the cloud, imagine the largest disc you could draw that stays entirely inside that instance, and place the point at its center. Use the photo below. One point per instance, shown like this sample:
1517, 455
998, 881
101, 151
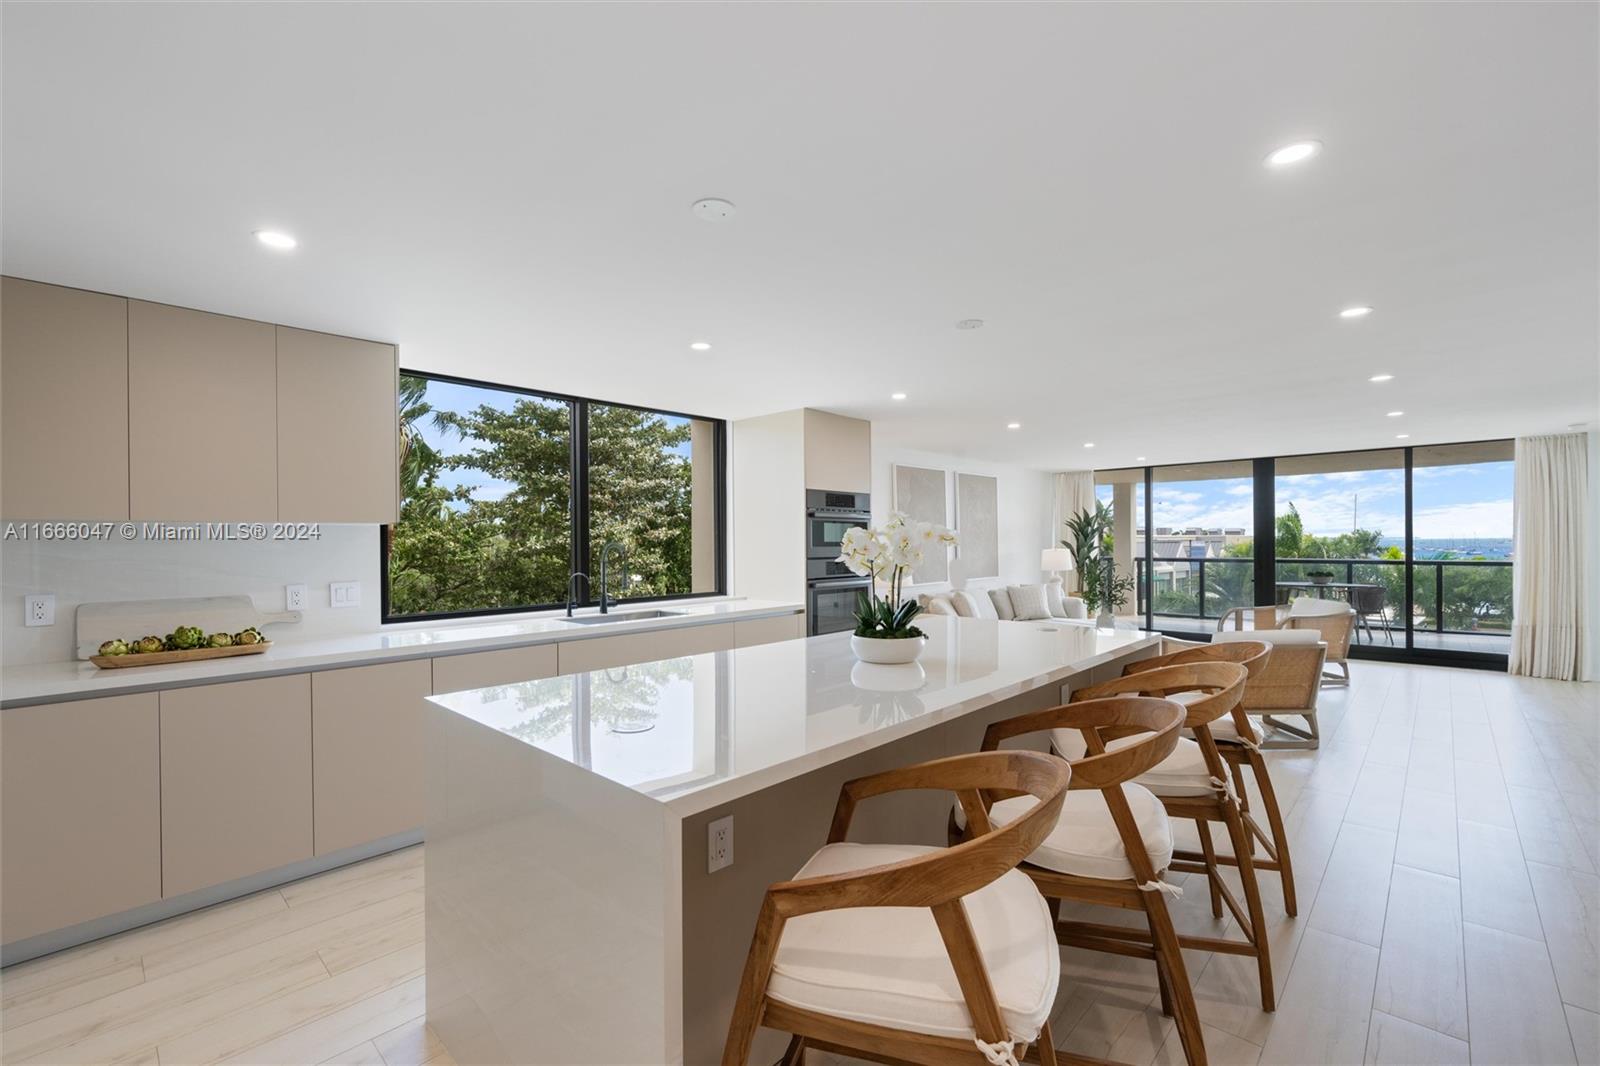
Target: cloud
1486, 518
1241, 490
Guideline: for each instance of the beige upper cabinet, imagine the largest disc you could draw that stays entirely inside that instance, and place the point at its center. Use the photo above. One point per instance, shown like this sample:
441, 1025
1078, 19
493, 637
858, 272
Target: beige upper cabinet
838, 452
338, 433
80, 796
202, 416
64, 383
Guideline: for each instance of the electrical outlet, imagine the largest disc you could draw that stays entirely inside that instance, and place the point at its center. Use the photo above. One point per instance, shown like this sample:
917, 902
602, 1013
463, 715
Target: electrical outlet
719, 844
294, 597
344, 594
39, 610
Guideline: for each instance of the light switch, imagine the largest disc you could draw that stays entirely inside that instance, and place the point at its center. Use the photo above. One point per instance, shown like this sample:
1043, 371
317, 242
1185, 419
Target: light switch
345, 594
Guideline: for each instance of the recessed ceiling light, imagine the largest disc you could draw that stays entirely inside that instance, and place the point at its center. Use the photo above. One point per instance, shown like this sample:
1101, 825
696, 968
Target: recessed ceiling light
1291, 154
1359, 311
700, 346
1013, 425
1138, 458
897, 396
1381, 377
712, 209
275, 239
1401, 436
970, 323
1088, 444
1396, 414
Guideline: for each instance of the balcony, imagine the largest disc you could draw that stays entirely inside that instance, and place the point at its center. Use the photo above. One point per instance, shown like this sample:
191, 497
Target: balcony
1192, 594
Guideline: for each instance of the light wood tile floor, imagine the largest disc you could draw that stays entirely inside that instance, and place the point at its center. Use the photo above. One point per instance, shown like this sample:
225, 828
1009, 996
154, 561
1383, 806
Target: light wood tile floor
1446, 838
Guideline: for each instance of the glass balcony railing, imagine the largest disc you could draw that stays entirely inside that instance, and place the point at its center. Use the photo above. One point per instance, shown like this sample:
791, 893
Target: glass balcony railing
1450, 596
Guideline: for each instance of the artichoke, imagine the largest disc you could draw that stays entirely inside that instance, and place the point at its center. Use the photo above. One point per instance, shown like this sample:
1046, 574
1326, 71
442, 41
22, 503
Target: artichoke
146, 645
185, 637
250, 635
220, 640
114, 647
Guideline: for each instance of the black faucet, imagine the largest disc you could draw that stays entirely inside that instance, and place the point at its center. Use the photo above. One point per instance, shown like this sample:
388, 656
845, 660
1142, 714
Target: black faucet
605, 556
576, 574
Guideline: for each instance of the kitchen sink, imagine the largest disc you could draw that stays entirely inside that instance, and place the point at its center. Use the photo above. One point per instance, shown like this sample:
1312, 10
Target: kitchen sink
619, 616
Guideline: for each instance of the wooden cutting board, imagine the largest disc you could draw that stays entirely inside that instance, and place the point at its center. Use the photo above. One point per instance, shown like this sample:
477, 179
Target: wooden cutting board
165, 658
132, 619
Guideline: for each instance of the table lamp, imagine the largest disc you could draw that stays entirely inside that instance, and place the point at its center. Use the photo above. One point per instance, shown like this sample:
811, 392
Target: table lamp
1056, 561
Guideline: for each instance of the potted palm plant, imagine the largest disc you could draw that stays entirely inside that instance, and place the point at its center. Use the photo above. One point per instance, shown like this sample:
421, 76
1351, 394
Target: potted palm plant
885, 625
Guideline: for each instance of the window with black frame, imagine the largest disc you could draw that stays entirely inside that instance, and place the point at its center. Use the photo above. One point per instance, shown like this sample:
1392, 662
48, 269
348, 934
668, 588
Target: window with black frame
500, 485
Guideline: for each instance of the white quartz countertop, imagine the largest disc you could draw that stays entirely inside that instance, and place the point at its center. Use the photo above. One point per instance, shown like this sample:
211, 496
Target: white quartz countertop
702, 730
53, 682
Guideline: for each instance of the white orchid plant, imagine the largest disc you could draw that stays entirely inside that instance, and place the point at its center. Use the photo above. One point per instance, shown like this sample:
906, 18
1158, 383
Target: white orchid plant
887, 556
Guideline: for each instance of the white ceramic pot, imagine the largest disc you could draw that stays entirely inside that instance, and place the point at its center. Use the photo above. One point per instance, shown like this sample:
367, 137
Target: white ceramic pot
890, 652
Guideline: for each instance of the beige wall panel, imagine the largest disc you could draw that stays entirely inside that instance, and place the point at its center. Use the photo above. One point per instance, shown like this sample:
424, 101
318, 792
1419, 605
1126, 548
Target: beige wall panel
767, 630
480, 669
235, 780
64, 384
767, 471
80, 812
202, 416
366, 751
337, 429
838, 452
600, 653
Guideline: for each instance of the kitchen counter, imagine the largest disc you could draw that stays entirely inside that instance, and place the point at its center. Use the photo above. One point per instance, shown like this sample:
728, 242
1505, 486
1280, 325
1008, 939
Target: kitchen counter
54, 682
695, 732
568, 859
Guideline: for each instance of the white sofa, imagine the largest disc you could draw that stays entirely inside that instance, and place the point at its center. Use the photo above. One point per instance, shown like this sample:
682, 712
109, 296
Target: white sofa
1038, 602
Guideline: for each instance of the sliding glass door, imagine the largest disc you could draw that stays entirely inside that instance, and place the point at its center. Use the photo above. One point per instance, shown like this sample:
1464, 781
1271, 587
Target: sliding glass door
1416, 540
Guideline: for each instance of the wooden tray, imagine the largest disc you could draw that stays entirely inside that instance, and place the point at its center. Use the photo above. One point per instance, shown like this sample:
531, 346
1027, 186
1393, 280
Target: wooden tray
164, 658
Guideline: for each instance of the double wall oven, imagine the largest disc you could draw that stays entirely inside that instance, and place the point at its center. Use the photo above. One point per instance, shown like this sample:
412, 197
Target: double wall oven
832, 591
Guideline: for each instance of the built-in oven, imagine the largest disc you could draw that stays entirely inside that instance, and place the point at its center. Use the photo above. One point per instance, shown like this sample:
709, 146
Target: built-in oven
829, 516
831, 603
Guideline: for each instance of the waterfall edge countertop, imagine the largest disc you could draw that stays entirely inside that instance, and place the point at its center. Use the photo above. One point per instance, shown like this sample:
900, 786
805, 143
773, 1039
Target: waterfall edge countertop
698, 731
59, 681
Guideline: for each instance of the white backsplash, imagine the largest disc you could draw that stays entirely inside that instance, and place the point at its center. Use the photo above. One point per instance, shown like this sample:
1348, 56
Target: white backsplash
91, 572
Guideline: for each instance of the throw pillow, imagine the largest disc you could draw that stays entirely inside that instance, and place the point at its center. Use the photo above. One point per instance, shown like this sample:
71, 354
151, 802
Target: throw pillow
939, 605
1027, 602
1054, 599
982, 606
964, 604
1002, 604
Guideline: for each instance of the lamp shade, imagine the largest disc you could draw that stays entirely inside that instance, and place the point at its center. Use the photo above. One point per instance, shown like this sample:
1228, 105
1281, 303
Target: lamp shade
1055, 559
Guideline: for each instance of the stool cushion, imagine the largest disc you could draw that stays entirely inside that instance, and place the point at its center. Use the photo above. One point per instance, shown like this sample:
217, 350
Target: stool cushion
1085, 840
1223, 730
888, 965
1183, 773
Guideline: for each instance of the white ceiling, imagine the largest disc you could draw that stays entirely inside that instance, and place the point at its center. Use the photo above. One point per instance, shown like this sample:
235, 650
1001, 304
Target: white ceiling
505, 190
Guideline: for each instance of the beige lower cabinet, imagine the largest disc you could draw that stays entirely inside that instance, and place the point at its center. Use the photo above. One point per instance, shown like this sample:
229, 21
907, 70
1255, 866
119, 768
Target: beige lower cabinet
235, 780
600, 653
366, 751
506, 666
80, 812
768, 630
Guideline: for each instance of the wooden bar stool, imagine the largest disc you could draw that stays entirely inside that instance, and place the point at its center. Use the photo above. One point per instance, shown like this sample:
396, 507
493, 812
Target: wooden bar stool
904, 953
1192, 783
1239, 742
1111, 848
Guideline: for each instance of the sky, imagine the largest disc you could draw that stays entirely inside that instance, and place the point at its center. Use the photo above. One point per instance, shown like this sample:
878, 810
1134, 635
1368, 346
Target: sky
449, 396
1470, 501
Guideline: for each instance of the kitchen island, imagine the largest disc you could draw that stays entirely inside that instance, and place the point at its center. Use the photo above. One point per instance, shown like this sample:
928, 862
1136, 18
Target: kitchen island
571, 915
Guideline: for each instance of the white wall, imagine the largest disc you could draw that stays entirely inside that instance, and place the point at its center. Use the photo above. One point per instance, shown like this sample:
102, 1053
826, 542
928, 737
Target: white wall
1024, 503
80, 571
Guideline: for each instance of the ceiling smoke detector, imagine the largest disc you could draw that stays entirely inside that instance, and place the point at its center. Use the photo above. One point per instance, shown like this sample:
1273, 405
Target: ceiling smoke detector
712, 209
970, 323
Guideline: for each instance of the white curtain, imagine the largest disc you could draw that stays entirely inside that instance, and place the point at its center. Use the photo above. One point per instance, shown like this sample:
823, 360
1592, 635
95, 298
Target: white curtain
1074, 493
1550, 524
